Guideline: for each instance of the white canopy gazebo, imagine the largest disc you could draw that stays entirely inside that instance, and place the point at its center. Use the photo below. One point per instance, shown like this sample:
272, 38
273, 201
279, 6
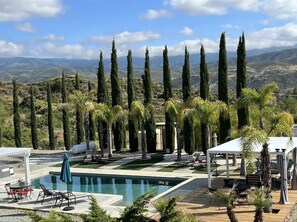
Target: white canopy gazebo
19, 152
279, 146
284, 144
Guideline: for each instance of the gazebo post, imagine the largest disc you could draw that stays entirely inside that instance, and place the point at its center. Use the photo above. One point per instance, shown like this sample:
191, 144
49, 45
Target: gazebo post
27, 168
208, 168
227, 164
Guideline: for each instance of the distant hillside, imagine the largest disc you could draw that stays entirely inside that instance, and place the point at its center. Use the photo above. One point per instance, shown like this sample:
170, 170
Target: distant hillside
278, 66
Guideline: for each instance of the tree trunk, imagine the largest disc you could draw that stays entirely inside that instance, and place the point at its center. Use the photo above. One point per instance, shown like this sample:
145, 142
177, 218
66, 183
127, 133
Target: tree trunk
109, 139
258, 215
143, 145
243, 167
101, 139
231, 214
87, 131
266, 172
205, 134
178, 145
234, 163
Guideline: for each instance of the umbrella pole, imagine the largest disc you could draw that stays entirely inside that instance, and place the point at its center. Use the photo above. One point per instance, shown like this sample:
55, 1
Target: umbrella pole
68, 206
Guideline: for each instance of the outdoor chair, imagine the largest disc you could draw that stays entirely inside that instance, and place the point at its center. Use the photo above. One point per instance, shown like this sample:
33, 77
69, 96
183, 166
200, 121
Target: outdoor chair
10, 193
69, 196
254, 180
228, 183
30, 191
241, 185
46, 193
211, 194
92, 156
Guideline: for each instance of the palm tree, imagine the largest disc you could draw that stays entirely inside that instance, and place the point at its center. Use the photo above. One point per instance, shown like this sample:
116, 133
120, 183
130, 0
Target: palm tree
110, 115
82, 102
139, 113
258, 199
174, 108
264, 100
227, 198
205, 111
277, 123
280, 123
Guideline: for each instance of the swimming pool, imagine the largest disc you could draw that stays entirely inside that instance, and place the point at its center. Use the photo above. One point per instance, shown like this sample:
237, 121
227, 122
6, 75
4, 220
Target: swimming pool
130, 188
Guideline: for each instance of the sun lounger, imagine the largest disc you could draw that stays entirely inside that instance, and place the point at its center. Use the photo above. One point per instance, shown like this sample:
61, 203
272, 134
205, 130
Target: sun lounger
69, 197
46, 193
92, 156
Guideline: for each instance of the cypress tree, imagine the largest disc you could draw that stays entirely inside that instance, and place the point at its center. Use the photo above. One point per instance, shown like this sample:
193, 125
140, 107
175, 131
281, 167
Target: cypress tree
242, 112
79, 117
51, 134
16, 116
102, 97
186, 76
92, 126
204, 87
147, 79
150, 125
34, 137
115, 86
119, 129
225, 124
169, 120
186, 88
204, 94
65, 113
133, 127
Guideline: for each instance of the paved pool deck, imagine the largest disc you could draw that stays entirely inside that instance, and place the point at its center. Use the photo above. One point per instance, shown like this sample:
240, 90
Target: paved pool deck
40, 162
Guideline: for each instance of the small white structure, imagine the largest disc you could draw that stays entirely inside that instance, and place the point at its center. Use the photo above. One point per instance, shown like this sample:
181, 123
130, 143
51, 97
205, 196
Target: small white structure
20, 152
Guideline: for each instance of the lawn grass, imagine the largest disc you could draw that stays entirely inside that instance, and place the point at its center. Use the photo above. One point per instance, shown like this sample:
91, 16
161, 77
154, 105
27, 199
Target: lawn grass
139, 164
172, 167
72, 163
81, 164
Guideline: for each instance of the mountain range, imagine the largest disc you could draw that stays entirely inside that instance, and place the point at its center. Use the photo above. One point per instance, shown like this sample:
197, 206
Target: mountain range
278, 66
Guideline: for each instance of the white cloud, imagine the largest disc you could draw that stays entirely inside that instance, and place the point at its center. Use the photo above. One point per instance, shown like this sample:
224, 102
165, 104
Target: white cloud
230, 26
64, 51
25, 27
18, 10
54, 46
210, 7
9, 49
125, 38
53, 37
264, 21
271, 37
186, 31
282, 9
153, 14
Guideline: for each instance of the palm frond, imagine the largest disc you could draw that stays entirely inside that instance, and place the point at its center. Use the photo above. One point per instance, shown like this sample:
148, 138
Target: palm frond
282, 124
138, 110
251, 137
170, 108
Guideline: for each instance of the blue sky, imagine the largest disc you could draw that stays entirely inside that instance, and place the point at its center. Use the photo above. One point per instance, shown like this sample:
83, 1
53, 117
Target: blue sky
81, 28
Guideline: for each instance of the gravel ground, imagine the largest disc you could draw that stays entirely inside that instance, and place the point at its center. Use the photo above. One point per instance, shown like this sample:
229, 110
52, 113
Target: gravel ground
293, 215
13, 215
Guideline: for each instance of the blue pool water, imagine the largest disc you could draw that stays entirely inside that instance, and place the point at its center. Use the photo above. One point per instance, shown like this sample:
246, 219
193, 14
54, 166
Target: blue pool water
129, 188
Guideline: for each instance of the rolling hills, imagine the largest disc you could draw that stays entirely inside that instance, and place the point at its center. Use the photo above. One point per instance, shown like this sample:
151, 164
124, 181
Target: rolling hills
279, 66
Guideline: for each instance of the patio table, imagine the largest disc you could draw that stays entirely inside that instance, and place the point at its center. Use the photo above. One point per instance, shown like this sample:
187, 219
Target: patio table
19, 187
